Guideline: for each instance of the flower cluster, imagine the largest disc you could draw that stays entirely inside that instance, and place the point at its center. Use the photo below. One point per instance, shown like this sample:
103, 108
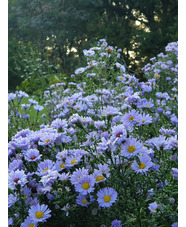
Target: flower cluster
109, 148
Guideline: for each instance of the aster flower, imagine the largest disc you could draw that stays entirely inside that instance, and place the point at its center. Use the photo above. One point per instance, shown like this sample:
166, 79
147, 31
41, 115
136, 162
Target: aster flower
32, 155
49, 178
85, 184
79, 70
12, 199
15, 164
119, 134
38, 108
121, 67
88, 52
109, 111
47, 138
131, 118
152, 207
73, 160
98, 176
145, 164
39, 213
15, 178
33, 102
58, 123
77, 175
44, 166
106, 197
22, 143
83, 200
131, 148
175, 173
116, 223
175, 224
28, 222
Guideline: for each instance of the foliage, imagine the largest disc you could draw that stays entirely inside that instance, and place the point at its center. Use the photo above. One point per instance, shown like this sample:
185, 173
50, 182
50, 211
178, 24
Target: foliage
66, 28
107, 152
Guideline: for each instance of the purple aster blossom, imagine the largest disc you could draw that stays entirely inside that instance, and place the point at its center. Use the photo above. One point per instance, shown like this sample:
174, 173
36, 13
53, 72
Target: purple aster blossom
77, 175
116, 223
15, 178
119, 134
145, 164
25, 106
62, 155
148, 105
79, 70
85, 184
33, 102
22, 143
104, 145
131, 118
121, 79
39, 213
64, 176
86, 120
164, 66
89, 53
145, 119
44, 167
83, 200
73, 160
98, 176
21, 94
28, 222
60, 165
11, 96
157, 70
58, 123
110, 111
104, 169
80, 107
38, 108
74, 119
131, 148
157, 142
121, 67
106, 197
26, 192
15, 164
99, 124
32, 155
47, 138
175, 173
12, 199
160, 110
49, 178
174, 120
152, 207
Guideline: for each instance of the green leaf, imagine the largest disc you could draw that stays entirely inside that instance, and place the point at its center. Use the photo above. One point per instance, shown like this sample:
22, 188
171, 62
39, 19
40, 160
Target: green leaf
130, 220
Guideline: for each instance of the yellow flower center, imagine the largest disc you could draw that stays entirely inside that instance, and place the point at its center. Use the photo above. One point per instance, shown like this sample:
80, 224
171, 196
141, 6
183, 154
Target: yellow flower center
107, 198
142, 165
39, 214
31, 225
154, 210
121, 78
47, 140
73, 161
131, 149
45, 169
78, 108
86, 186
84, 201
62, 165
99, 178
148, 105
143, 120
131, 118
69, 104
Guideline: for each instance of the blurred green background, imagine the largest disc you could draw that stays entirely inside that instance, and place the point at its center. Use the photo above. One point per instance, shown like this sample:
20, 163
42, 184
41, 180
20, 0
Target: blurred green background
46, 38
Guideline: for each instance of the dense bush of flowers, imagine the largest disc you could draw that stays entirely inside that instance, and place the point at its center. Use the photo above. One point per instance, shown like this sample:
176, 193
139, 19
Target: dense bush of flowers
106, 155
